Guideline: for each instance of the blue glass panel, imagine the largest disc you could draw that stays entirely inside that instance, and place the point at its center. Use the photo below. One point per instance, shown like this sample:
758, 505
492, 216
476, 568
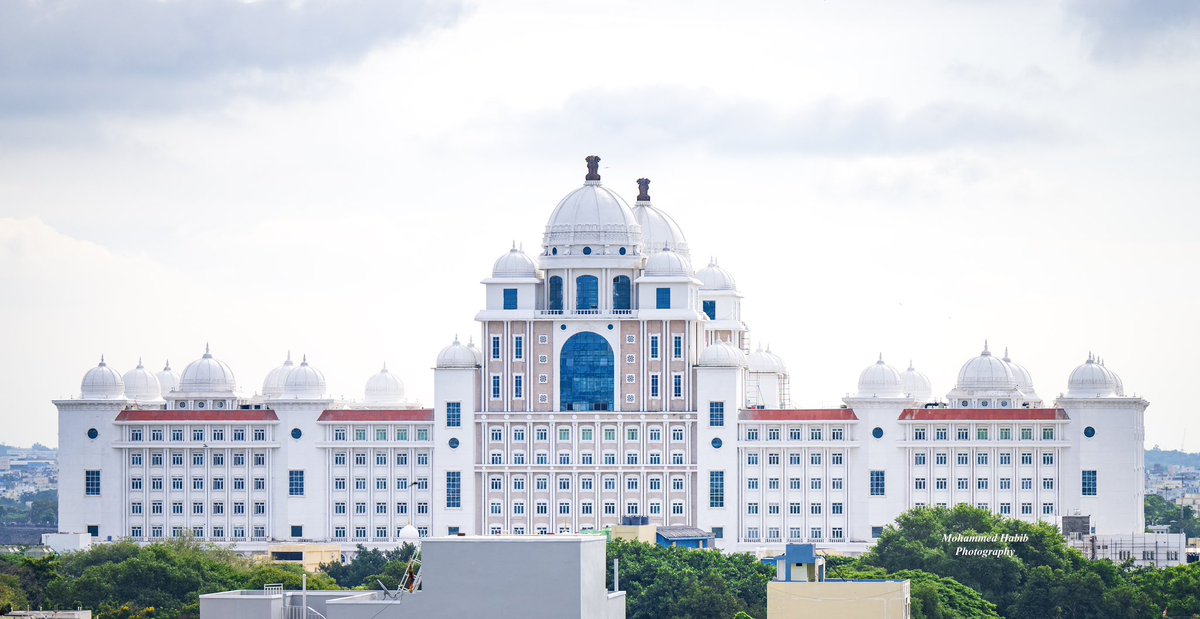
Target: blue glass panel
710, 308
621, 296
586, 373
587, 292
510, 298
555, 301
664, 298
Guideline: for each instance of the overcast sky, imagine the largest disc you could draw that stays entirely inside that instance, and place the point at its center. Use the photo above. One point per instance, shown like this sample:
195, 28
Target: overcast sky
335, 178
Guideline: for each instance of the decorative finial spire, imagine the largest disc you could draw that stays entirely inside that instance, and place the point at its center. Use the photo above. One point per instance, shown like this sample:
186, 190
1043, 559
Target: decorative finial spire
1091, 359
643, 190
455, 338
167, 367
139, 363
910, 366
880, 358
985, 348
514, 247
288, 361
385, 366
207, 351
593, 166
1006, 359
304, 359
102, 363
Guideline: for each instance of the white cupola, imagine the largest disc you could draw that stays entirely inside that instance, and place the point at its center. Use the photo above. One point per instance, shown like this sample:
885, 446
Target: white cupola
916, 384
207, 375
384, 388
102, 383
1091, 380
273, 383
592, 221
141, 385
168, 380
658, 228
514, 264
456, 356
880, 380
304, 382
722, 354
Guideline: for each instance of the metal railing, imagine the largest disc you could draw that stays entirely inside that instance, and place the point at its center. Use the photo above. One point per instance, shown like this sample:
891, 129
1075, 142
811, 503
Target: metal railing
300, 612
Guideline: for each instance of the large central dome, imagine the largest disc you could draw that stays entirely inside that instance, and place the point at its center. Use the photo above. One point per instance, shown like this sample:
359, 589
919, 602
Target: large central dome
592, 220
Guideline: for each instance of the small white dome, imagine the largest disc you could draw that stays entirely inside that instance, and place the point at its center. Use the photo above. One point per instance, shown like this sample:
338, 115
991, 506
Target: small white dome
168, 380
273, 384
667, 263
408, 533
592, 216
102, 383
475, 349
141, 385
1116, 377
722, 355
304, 382
713, 277
766, 361
1021, 375
514, 263
880, 380
456, 356
916, 384
1091, 380
207, 375
658, 228
385, 388
985, 373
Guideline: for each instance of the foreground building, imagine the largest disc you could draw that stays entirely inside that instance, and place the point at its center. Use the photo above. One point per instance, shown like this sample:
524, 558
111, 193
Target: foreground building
614, 380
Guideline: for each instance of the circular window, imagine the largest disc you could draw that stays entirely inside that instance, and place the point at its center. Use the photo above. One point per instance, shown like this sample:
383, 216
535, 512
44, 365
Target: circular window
1089, 431
983, 403
199, 404
553, 251
220, 403
563, 327
965, 403
1003, 403
296, 433
621, 251
716, 443
92, 433
610, 327
587, 251
181, 404
453, 443
877, 432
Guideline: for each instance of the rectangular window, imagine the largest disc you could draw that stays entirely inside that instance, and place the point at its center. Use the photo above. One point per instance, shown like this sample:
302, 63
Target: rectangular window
518, 386
710, 309
1006, 435
518, 348
654, 385
1047, 458
677, 386
877, 483
1048, 434
295, 483
510, 298
1089, 483
91, 483
496, 347
662, 298
654, 347
716, 414
716, 489
677, 347
495, 386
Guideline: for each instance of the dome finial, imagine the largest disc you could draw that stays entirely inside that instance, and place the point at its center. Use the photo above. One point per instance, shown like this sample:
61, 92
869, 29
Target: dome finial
643, 190
139, 365
102, 363
167, 366
1006, 359
304, 359
593, 166
288, 361
514, 247
910, 365
1091, 359
207, 351
456, 338
880, 358
985, 348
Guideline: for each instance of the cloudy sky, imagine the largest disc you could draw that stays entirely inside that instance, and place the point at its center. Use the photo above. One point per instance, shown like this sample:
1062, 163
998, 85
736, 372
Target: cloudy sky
335, 178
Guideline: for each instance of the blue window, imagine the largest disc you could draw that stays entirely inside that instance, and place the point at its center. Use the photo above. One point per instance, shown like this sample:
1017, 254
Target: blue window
716, 414
677, 386
710, 309
495, 347
653, 346
297, 530
621, 295
554, 303
677, 347
295, 483
510, 298
716, 488
663, 298
518, 348
91, 483
495, 387
654, 385
718, 532
586, 373
453, 489
877, 483
453, 414
587, 293
518, 386
1089, 483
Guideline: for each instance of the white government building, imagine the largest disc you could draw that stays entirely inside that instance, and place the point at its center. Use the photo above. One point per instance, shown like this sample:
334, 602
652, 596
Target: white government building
613, 380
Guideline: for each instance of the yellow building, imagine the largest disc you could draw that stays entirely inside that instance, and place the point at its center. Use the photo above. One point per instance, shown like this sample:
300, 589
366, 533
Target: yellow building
801, 590
308, 556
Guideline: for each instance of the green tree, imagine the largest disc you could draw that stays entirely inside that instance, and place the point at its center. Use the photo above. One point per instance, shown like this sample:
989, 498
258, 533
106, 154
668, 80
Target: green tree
368, 565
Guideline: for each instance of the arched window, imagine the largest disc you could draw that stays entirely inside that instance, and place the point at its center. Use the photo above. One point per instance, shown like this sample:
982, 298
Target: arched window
555, 302
621, 301
587, 293
586, 374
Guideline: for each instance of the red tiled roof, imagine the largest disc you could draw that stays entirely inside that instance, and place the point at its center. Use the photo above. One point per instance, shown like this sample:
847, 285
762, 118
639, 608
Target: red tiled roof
976, 414
822, 414
375, 416
194, 416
